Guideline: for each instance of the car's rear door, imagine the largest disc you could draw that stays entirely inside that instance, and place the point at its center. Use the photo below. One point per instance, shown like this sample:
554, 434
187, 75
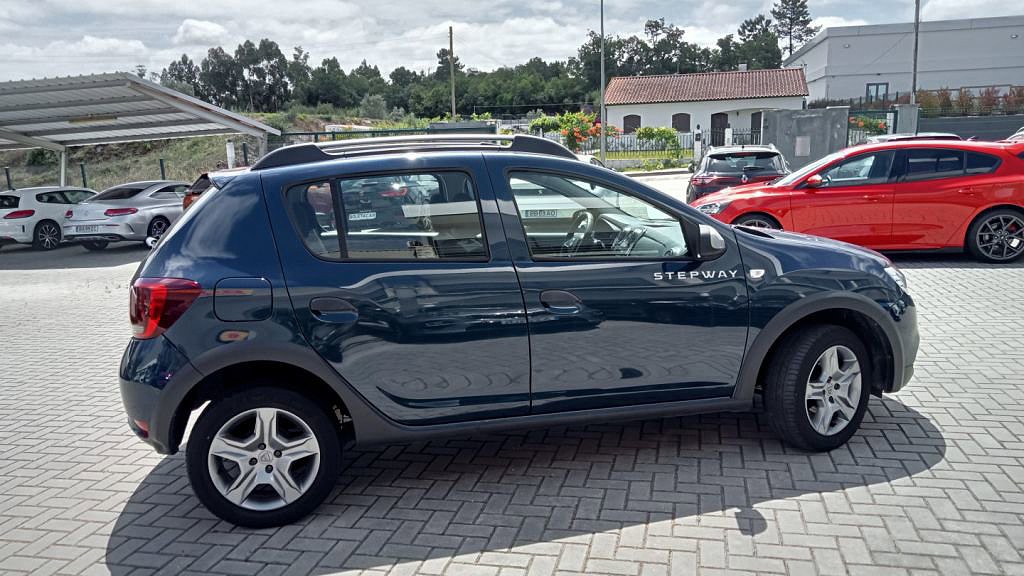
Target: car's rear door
853, 204
622, 315
938, 190
422, 315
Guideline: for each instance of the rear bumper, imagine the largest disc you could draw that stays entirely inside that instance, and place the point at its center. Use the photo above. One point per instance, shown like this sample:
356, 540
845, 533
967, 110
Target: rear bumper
15, 232
104, 231
149, 374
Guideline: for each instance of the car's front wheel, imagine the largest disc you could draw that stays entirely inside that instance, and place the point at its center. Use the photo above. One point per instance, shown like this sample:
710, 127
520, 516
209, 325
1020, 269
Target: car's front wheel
817, 387
997, 236
757, 220
263, 457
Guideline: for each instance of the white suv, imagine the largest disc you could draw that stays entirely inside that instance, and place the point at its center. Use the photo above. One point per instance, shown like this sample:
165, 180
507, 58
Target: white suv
34, 215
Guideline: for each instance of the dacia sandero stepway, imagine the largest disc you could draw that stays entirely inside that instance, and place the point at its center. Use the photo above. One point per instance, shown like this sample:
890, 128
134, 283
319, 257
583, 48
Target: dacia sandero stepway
400, 289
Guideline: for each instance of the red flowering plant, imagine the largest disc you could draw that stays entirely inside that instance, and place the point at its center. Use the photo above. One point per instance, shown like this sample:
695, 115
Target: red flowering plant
577, 128
869, 125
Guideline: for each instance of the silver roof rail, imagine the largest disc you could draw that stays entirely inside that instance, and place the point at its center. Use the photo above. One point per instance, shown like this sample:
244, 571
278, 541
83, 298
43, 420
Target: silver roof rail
335, 149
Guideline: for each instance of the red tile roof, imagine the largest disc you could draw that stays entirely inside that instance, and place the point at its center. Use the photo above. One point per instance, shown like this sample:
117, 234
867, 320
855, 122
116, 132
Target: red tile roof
773, 83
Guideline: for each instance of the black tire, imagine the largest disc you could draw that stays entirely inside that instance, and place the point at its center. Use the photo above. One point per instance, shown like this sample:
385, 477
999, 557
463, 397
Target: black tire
691, 195
46, 236
786, 380
95, 245
265, 395
994, 253
157, 227
757, 220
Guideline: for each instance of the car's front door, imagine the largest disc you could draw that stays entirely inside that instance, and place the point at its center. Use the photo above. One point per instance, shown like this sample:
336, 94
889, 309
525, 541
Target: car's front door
620, 313
853, 203
401, 279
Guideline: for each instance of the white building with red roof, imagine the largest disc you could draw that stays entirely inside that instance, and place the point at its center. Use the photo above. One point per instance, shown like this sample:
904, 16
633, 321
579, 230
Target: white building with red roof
713, 101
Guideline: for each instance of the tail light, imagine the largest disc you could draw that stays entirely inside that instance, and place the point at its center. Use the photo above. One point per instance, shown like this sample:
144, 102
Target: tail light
120, 211
395, 192
69, 213
20, 214
157, 303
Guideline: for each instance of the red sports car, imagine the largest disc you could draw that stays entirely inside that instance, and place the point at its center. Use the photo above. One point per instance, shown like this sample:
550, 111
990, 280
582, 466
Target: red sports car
911, 195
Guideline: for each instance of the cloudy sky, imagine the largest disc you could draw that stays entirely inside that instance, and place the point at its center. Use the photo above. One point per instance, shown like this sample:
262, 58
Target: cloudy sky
59, 37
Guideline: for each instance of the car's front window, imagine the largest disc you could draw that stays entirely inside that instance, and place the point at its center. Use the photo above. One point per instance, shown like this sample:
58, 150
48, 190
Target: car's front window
807, 170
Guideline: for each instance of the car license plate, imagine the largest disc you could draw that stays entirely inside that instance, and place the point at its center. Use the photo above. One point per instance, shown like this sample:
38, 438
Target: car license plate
362, 216
87, 229
541, 214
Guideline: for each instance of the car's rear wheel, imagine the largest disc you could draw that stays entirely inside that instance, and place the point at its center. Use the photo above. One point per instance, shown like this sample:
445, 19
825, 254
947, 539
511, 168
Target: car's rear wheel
46, 236
95, 245
263, 457
997, 236
817, 387
757, 220
157, 227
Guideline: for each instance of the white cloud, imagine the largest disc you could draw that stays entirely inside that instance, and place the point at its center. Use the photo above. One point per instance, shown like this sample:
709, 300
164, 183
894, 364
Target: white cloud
837, 21
202, 32
952, 9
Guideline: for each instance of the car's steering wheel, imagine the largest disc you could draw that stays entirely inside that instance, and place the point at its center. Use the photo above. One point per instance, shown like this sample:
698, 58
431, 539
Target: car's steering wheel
582, 227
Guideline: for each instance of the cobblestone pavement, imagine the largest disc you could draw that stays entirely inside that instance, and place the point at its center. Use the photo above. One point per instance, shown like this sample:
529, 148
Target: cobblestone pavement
933, 484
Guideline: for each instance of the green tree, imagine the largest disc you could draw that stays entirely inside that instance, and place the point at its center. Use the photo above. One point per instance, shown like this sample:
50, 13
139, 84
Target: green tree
299, 73
793, 23
759, 45
219, 75
183, 75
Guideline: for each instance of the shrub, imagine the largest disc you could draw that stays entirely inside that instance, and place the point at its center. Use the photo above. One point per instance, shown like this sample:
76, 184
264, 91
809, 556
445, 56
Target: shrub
545, 124
965, 101
659, 138
373, 106
944, 99
988, 100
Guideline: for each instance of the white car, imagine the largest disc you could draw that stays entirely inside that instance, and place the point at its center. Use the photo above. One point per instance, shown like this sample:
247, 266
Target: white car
35, 215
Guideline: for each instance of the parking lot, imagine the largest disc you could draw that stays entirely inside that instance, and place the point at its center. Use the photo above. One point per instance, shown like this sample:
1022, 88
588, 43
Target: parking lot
934, 483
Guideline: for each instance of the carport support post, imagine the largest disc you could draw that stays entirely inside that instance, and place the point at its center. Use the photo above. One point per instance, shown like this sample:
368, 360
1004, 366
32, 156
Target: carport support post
163, 170
63, 167
85, 181
245, 153
7, 173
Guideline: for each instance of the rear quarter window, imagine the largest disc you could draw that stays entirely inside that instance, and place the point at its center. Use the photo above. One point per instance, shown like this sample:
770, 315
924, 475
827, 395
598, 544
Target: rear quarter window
9, 202
978, 163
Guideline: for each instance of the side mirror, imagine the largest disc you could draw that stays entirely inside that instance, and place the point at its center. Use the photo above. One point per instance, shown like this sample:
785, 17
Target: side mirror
712, 245
151, 242
815, 181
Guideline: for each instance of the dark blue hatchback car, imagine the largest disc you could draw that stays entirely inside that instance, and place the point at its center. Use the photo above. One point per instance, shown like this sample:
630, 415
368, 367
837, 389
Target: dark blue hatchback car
400, 289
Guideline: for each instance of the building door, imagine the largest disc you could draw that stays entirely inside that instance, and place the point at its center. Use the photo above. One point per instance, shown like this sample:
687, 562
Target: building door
719, 122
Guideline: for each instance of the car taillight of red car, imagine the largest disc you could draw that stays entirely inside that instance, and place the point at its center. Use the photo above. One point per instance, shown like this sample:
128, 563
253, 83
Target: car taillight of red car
157, 303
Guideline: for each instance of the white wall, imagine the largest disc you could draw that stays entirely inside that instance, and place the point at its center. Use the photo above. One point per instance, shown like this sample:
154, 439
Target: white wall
953, 54
659, 115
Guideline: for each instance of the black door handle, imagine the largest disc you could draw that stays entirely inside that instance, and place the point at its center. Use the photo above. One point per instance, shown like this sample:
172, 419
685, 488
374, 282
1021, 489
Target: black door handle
561, 302
333, 310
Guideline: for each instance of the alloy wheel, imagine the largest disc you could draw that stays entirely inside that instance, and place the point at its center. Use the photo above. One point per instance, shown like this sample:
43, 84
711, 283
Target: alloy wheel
49, 236
757, 222
264, 459
1001, 237
157, 228
833, 390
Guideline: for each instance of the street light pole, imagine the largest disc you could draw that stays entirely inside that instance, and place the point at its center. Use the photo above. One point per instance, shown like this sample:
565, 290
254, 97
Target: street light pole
604, 112
917, 33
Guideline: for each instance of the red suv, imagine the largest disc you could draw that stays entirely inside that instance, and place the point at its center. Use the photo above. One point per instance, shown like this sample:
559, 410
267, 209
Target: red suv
911, 195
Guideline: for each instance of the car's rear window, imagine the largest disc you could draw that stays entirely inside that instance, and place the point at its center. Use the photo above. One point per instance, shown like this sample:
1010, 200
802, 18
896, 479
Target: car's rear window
119, 193
9, 201
200, 185
739, 162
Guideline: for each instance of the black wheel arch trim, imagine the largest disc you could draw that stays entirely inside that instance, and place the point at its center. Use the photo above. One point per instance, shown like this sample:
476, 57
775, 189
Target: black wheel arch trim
790, 316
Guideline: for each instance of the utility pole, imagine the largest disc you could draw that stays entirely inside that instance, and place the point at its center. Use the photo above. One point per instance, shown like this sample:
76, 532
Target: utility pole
917, 33
604, 112
451, 66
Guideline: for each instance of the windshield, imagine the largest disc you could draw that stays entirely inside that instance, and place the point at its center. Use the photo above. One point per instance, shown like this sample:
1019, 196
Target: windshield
118, 193
740, 162
809, 169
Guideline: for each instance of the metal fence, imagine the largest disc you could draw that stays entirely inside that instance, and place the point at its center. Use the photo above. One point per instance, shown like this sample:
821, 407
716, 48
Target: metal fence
628, 146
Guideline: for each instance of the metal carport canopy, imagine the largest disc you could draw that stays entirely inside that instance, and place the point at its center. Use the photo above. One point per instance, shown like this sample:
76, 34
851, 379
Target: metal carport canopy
56, 113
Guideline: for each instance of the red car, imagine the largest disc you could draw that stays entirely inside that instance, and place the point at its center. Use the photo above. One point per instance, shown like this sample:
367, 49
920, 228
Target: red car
910, 195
